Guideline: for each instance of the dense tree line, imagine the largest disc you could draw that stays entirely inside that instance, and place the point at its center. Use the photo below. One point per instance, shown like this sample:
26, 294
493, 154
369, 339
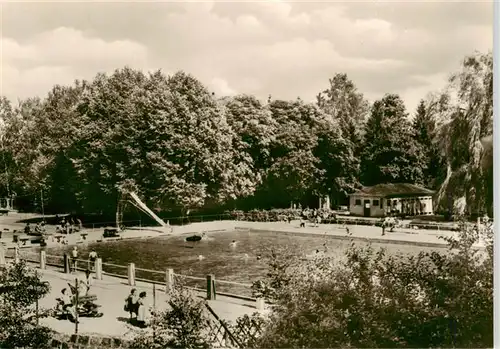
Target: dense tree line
180, 147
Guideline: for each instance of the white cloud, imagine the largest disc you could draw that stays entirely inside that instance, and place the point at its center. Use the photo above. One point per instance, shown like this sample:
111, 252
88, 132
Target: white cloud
221, 87
59, 57
267, 47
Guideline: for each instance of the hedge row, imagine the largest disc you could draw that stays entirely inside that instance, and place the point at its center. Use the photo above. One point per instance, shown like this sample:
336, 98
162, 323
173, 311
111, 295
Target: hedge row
327, 217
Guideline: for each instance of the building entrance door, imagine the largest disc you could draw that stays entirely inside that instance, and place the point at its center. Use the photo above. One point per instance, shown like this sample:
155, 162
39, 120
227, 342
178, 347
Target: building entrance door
367, 208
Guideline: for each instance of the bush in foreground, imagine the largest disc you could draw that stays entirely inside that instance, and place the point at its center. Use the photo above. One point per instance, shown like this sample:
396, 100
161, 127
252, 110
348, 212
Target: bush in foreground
371, 299
20, 288
182, 325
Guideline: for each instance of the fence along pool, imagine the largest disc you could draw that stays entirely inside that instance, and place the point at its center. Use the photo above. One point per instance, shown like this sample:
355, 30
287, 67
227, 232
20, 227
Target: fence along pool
132, 273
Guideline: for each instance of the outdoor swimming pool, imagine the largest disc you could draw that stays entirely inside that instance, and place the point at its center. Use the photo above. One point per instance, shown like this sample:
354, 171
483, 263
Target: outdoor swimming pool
230, 263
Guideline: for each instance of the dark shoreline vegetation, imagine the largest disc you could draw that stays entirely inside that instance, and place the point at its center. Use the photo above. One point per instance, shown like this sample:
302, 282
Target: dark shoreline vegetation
184, 150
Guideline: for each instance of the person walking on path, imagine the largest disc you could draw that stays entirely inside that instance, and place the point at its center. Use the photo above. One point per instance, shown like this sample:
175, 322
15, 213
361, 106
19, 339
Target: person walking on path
74, 256
89, 281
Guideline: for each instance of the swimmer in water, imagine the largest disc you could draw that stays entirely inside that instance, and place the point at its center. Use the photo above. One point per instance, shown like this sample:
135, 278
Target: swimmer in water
258, 257
233, 243
246, 256
200, 257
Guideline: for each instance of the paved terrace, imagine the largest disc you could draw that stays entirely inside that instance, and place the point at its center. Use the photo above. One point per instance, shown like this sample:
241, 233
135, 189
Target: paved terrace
111, 293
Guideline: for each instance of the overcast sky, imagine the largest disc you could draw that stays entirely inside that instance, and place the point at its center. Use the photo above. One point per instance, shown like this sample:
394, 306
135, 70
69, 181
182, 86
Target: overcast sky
277, 48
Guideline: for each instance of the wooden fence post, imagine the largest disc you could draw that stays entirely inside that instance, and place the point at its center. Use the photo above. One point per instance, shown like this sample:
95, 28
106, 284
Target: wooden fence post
67, 267
131, 274
43, 259
169, 280
98, 269
2, 256
260, 304
211, 294
17, 256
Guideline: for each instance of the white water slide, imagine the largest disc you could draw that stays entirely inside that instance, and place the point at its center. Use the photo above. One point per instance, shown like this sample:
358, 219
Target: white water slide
141, 205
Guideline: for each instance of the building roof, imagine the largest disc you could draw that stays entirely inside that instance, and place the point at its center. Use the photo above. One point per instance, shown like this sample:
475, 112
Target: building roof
393, 189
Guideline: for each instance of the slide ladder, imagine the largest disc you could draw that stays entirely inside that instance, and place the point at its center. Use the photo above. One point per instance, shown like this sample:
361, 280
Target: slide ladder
141, 205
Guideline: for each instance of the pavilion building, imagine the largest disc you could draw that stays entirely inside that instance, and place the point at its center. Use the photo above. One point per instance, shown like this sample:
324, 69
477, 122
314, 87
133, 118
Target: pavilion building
391, 199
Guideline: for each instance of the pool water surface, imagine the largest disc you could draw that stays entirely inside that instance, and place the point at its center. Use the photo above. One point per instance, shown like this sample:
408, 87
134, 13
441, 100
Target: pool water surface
216, 254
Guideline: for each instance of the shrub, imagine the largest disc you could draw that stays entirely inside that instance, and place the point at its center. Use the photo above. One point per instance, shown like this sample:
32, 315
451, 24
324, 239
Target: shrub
372, 299
182, 325
248, 329
20, 288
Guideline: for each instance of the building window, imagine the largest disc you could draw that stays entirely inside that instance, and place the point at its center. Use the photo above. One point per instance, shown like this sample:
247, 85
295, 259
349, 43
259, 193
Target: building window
358, 202
375, 203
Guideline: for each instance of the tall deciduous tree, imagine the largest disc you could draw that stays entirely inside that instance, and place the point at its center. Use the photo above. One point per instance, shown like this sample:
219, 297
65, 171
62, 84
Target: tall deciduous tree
293, 169
424, 128
254, 126
338, 164
344, 102
465, 111
165, 137
390, 154
310, 158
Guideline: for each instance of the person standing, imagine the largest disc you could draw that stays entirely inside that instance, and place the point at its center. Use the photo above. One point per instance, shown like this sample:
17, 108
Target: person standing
141, 312
131, 303
92, 259
89, 281
17, 257
74, 256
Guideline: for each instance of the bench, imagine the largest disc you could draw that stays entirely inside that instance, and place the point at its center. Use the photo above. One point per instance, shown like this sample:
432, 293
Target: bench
24, 240
58, 237
84, 236
87, 298
4, 212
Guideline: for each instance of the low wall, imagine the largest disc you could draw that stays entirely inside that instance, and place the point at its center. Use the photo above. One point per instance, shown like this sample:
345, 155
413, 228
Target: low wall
84, 341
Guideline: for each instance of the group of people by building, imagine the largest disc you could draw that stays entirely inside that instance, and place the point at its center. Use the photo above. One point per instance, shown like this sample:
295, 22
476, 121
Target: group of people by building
69, 226
39, 229
313, 216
